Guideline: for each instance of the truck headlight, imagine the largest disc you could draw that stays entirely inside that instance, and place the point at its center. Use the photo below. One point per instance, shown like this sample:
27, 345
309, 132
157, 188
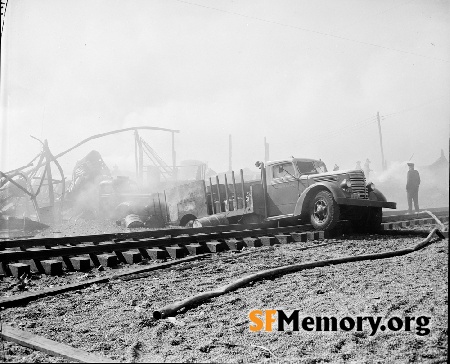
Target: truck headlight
346, 184
370, 187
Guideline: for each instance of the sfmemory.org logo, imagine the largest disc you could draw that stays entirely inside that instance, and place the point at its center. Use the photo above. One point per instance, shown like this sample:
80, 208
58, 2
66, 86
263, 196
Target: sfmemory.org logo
280, 320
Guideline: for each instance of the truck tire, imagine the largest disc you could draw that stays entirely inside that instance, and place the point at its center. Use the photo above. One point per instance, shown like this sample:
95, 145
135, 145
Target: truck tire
323, 211
187, 220
374, 220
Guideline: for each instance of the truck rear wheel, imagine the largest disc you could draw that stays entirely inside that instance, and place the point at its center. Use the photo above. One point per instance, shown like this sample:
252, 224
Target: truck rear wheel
323, 211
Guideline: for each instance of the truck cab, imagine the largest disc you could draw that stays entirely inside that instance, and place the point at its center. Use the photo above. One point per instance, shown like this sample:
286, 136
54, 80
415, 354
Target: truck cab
286, 181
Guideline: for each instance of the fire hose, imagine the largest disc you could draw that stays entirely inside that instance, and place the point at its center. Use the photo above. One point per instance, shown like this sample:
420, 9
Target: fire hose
174, 307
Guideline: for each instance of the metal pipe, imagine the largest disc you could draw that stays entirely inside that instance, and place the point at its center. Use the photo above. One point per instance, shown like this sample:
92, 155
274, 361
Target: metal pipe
174, 158
264, 182
236, 203
213, 208
136, 153
206, 196
226, 192
159, 202
244, 202
218, 193
167, 207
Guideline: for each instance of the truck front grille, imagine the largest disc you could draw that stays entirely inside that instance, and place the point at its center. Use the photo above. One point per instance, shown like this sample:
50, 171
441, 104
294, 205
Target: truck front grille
358, 184
325, 179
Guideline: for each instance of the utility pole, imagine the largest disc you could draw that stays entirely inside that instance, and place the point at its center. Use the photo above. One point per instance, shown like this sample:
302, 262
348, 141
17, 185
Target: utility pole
383, 162
174, 158
266, 151
230, 166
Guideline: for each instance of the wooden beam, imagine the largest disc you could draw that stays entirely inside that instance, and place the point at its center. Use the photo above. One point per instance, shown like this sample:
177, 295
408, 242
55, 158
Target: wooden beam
50, 347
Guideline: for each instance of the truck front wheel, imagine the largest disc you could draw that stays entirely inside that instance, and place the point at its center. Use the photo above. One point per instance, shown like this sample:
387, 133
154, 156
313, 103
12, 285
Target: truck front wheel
323, 211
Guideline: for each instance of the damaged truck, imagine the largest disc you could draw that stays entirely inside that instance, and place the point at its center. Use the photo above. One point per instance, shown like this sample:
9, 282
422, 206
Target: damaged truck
291, 191
296, 190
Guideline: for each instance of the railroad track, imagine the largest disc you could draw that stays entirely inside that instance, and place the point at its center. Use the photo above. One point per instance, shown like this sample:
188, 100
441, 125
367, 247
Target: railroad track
81, 253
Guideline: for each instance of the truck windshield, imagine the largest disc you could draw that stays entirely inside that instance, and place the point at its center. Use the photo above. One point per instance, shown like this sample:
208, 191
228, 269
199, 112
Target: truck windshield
308, 167
283, 170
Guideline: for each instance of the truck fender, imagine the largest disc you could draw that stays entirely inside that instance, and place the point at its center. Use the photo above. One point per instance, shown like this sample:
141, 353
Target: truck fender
376, 195
301, 207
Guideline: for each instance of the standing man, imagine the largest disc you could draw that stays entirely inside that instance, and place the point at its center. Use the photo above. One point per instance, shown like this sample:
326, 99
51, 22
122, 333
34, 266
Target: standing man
412, 188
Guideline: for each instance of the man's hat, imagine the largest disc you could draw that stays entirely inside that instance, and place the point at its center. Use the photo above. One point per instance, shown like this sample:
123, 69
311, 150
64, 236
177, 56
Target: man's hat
410, 164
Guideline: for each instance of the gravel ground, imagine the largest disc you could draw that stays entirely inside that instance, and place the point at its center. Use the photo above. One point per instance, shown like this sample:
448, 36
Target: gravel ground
115, 319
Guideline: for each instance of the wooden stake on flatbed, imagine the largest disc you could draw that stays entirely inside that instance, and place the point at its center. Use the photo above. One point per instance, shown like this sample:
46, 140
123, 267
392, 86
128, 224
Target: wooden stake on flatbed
218, 193
244, 202
236, 204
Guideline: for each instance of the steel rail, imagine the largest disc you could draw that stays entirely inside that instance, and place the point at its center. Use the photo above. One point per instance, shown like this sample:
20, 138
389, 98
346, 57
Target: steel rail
173, 232
409, 217
57, 250
97, 238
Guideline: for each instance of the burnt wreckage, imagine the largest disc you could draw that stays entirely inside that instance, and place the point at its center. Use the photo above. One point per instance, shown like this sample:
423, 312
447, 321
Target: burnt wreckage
294, 190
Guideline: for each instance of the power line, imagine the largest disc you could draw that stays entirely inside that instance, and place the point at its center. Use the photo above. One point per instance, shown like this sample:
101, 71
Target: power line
414, 107
343, 129
379, 13
4, 4
371, 120
312, 31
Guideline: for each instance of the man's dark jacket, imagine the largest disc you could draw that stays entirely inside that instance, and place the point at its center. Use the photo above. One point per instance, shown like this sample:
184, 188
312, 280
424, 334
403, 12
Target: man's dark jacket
413, 180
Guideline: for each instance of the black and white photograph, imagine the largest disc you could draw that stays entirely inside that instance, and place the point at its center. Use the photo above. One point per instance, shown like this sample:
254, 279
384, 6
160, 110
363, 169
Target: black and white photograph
224, 181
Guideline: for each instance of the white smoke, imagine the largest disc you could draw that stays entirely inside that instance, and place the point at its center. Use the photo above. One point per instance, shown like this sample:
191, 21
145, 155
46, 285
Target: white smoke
433, 190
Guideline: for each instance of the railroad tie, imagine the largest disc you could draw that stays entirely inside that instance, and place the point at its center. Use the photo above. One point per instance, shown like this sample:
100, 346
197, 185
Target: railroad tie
215, 246
75, 263
253, 242
235, 244
195, 249
52, 267
319, 235
143, 253
80, 263
403, 224
284, 238
47, 266
107, 260
4, 269
176, 251
157, 253
17, 270
268, 240
131, 256
303, 237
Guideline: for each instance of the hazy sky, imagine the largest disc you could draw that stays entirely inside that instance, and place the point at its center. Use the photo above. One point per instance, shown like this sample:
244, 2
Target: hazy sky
310, 76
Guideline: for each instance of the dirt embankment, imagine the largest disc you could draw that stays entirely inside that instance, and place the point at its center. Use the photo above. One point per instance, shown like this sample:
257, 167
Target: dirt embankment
115, 319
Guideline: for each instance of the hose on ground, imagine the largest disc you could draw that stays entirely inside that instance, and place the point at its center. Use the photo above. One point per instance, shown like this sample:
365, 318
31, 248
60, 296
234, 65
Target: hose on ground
438, 222
174, 307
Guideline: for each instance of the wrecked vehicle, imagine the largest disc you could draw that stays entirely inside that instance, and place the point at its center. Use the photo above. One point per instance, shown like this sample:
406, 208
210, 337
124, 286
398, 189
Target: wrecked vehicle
87, 172
122, 200
298, 190
82, 193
